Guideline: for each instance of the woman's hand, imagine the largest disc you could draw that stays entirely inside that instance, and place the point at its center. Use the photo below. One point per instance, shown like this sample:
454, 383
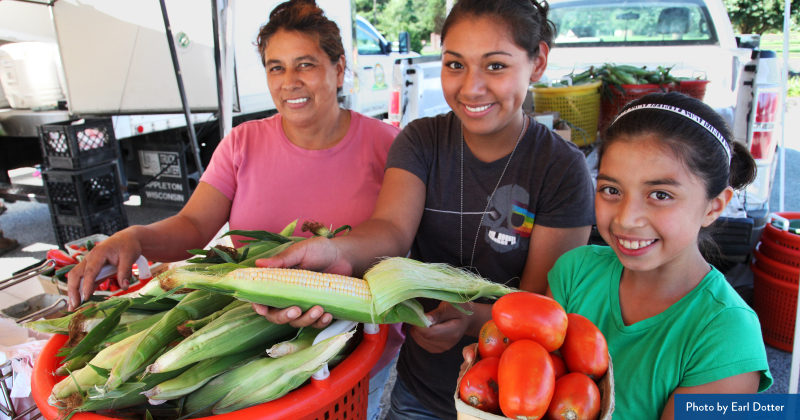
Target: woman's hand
314, 317
121, 250
449, 326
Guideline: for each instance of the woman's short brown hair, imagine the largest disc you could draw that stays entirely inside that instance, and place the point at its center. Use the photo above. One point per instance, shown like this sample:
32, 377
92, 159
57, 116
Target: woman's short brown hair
303, 16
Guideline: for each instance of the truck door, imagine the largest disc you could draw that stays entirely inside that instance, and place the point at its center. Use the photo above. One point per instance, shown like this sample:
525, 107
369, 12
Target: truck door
373, 87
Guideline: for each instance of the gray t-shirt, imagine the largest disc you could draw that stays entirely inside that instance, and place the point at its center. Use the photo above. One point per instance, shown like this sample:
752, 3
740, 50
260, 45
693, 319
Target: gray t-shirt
547, 182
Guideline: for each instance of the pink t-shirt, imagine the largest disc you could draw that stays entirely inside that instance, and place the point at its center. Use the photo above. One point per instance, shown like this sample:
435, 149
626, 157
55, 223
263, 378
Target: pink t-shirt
272, 182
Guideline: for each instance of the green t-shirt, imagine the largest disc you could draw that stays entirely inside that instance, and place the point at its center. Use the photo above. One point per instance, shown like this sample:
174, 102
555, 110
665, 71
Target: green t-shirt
709, 334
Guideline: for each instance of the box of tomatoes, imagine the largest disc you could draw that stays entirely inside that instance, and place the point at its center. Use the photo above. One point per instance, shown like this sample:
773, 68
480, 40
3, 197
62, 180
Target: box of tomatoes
533, 360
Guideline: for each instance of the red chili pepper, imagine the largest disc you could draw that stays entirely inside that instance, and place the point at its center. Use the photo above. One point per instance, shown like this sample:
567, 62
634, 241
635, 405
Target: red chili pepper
104, 285
113, 287
82, 249
73, 246
60, 257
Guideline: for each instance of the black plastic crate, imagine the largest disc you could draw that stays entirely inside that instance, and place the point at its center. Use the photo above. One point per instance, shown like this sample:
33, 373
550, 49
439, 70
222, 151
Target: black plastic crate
83, 192
107, 222
68, 145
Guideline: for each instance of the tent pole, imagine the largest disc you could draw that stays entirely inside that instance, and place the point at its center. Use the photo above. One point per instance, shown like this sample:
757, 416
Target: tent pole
793, 377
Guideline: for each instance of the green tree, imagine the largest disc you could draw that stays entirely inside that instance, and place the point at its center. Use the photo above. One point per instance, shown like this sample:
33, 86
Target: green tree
759, 16
417, 17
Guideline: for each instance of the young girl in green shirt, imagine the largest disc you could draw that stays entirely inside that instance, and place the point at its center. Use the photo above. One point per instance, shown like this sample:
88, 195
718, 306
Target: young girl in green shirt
667, 170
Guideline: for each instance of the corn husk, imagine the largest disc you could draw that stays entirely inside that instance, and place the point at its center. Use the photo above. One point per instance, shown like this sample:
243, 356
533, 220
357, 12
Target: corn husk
262, 380
235, 331
198, 375
304, 339
195, 305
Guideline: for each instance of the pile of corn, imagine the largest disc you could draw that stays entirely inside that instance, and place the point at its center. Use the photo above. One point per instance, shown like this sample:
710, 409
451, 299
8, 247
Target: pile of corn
191, 342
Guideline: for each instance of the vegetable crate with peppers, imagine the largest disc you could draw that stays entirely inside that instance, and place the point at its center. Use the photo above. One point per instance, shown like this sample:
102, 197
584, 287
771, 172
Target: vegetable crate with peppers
624, 83
189, 344
536, 361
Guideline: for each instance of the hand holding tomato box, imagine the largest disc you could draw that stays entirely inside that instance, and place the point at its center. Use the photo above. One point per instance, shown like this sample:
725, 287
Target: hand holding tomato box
519, 375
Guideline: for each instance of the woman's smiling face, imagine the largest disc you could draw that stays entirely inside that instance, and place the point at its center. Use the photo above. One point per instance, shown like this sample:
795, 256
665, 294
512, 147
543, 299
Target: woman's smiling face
301, 78
649, 206
485, 75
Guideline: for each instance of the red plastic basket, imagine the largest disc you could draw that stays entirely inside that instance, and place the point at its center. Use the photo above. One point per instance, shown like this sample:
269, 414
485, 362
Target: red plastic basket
775, 269
779, 237
694, 88
341, 396
779, 253
610, 107
775, 302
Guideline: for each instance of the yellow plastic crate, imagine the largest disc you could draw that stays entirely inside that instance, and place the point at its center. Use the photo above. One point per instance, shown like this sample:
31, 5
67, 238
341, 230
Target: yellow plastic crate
578, 105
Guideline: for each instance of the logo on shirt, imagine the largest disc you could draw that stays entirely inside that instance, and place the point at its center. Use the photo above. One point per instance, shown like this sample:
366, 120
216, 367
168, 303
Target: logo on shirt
508, 219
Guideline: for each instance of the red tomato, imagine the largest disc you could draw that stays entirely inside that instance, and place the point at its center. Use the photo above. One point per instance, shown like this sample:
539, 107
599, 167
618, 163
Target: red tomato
576, 398
585, 349
60, 258
527, 380
491, 342
559, 365
530, 316
478, 387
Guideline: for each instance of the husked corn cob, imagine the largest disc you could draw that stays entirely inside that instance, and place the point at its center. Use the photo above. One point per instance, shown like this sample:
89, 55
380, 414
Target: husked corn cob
386, 296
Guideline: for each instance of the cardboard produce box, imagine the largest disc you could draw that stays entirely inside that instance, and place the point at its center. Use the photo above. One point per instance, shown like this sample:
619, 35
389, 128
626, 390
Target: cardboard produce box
606, 386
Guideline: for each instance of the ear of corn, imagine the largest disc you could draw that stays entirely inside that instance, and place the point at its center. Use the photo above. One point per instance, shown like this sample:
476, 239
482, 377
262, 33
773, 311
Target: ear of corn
285, 374
261, 380
75, 364
88, 377
303, 340
100, 332
126, 395
195, 324
124, 331
235, 331
195, 305
387, 295
199, 374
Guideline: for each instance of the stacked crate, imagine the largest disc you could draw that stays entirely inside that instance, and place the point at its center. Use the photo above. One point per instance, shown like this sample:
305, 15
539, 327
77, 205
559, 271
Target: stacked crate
776, 275
82, 179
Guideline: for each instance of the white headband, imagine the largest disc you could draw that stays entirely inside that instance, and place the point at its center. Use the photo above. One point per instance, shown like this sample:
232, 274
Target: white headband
686, 114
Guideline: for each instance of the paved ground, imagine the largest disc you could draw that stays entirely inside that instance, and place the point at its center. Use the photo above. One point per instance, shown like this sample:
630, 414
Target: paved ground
30, 224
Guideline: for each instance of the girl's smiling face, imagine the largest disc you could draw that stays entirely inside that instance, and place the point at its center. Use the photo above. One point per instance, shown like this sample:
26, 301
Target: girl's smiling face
485, 75
650, 208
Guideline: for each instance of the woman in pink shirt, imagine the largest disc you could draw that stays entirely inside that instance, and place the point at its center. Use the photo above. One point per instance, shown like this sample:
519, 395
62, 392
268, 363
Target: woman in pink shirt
313, 161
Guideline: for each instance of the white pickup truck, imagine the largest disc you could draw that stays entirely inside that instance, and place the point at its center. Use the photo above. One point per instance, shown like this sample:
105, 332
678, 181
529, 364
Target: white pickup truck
694, 38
